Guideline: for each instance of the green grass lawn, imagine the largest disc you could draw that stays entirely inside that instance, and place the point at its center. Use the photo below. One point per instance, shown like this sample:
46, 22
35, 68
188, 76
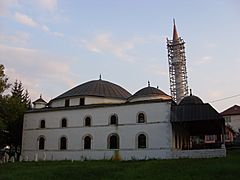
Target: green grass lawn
216, 168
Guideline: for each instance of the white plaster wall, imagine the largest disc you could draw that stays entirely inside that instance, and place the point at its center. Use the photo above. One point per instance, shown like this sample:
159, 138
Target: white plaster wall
200, 153
58, 103
157, 128
149, 98
39, 105
235, 122
88, 101
98, 100
125, 154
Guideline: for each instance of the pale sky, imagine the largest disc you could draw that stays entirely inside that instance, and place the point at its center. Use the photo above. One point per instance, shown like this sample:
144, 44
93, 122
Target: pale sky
54, 45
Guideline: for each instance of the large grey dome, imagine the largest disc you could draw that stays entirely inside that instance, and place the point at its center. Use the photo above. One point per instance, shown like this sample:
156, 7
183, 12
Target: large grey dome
99, 88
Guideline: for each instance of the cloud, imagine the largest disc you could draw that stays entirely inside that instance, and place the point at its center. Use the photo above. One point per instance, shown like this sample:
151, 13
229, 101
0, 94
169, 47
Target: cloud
205, 60
5, 5
104, 43
36, 69
26, 20
45, 28
18, 38
58, 34
156, 70
50, 5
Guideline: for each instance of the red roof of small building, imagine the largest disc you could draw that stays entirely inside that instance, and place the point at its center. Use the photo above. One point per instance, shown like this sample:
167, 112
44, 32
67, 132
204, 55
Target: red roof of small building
234, 110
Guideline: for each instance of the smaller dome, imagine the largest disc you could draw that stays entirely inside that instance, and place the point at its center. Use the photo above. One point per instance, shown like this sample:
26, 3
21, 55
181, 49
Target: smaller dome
40, 101
190, 100
151, 93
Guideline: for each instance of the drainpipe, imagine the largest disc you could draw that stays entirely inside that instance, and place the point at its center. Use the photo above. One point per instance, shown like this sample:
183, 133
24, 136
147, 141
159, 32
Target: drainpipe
223, 137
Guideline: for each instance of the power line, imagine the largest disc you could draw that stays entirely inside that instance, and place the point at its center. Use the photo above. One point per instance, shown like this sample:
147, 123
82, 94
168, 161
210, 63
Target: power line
229, 97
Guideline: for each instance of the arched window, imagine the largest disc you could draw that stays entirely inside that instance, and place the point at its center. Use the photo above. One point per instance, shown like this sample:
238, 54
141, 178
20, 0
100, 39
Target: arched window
63, 143
113, 141
41, 143
87, 142
42, 124
141, 118
64, 122
87, 121
114, 119
142, 141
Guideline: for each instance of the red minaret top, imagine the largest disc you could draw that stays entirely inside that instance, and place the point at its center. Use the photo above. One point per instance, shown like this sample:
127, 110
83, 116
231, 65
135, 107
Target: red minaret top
175, 33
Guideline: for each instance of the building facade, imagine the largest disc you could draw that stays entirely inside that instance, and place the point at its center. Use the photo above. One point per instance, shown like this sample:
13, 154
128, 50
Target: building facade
100, 130
232, 117
101, 120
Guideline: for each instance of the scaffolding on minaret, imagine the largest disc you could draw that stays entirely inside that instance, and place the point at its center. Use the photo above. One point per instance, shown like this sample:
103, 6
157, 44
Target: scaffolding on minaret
177, 66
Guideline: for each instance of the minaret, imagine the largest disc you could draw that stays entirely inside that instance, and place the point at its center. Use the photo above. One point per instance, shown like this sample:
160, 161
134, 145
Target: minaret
177, 66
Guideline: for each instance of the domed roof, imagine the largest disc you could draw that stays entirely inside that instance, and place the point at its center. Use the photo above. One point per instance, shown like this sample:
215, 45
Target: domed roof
99, 88
190, 100
149, 92
40, 100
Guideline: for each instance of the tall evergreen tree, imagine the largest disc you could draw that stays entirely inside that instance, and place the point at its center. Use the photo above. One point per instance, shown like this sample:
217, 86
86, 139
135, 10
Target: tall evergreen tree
12, 108
3, 80
17, 90
18, 103
3, 106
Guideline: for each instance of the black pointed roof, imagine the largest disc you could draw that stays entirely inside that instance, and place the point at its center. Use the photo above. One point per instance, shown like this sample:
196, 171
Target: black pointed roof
192, 108
99, 88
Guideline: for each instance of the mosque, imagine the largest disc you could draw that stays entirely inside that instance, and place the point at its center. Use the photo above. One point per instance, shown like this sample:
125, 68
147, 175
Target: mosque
101, 120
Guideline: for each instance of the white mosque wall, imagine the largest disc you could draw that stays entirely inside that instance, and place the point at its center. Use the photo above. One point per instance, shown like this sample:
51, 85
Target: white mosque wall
157, 129
88, 101
98, 100
137, 154
150, 98
39, 105
57, 103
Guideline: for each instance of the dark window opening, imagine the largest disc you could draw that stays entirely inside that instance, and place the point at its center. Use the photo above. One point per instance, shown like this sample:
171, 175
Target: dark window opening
141, 118
64, 122
41, 143
113, 119
142, 141
67, 102
63, 143
82, 101
42, 124
87, 142
114, 142
87, 121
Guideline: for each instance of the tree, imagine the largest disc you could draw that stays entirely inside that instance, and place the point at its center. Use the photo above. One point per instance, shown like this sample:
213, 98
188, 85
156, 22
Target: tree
3, 80
17, 104
3, 121
3, 105
12, 108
